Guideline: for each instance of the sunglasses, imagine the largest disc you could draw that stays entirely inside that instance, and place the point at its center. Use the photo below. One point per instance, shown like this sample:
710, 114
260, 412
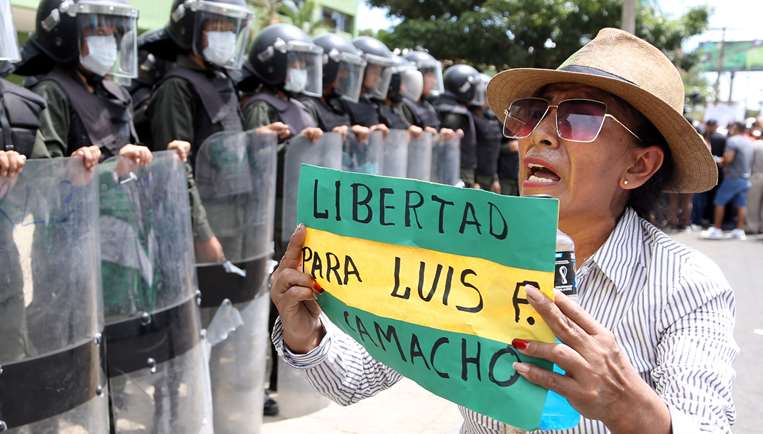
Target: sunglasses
577, 120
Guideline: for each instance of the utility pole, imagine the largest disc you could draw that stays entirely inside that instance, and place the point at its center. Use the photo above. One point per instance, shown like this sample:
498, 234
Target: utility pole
721, 50
628, 19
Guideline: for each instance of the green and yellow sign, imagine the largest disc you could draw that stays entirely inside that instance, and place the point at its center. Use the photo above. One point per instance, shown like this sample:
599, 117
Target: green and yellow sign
430, 280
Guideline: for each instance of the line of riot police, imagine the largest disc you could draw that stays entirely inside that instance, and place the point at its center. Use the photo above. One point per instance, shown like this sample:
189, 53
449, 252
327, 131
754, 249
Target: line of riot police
148, 183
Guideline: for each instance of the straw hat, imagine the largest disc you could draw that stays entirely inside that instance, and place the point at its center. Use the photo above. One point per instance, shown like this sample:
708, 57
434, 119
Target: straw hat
632, 69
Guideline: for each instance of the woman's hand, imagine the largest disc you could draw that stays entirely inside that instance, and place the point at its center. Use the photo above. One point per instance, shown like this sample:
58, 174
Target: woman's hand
293, 293
181, 147
600, 381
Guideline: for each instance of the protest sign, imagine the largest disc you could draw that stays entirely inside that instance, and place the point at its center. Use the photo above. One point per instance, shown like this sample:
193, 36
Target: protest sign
430, 280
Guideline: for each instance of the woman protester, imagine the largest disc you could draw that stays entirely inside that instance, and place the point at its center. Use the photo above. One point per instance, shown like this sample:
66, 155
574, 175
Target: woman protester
650, 346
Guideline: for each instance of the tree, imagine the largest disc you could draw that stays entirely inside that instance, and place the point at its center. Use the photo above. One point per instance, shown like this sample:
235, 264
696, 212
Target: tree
526, 33
300, 14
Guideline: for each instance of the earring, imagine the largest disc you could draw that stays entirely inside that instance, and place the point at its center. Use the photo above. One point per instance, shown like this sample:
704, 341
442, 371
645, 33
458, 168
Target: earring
625, 182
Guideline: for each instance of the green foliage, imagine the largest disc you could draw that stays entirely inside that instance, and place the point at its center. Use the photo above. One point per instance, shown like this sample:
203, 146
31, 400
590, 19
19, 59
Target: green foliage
269, 12
527, 33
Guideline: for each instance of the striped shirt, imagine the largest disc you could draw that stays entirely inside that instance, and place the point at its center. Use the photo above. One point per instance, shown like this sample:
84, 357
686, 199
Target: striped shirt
669, 307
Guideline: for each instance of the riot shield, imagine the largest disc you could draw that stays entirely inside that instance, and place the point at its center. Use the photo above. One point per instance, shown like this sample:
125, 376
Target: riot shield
236, 178
396, 154
158, 376
420, 157
364, 157
326, 153
51, 317
446, 161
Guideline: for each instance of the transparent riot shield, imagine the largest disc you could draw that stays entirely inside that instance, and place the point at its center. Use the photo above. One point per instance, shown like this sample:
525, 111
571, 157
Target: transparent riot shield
326, 153
420, 157
236, 178
396, 154
158, 376
51, 317
446, 161
364, 157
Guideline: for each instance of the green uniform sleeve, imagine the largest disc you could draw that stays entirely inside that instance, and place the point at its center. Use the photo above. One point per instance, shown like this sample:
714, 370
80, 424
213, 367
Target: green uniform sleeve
258, 114
51, 139
172, 113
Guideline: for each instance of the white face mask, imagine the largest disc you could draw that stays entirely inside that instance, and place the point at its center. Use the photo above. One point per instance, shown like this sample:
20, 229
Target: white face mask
221, 47
296, 80
102, 54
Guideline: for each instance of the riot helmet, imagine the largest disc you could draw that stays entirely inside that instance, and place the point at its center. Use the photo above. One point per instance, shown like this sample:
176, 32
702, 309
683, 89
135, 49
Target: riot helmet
99, 35
430, 68
9, 49
406, 81
480, 93
343, 66
379, 63
216, 30
461, 82
284, 56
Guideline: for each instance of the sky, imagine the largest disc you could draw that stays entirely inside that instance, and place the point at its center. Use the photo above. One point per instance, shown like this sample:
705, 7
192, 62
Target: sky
742, 18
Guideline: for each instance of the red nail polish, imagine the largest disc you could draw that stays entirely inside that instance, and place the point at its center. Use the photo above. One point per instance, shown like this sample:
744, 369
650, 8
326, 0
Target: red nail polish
519, 344
317, 287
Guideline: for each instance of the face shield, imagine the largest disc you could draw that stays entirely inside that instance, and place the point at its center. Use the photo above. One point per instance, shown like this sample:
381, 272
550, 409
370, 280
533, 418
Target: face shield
433, 84
349, 76
108, 39
480, 92
411, 82
9, 49
304, 69
377, 76
221, 32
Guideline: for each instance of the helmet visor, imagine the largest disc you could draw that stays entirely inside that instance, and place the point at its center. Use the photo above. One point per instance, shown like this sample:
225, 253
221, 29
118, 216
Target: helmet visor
349, 77
377, 76
221, 33
411, 82
304, 70
480, 93
433, 84
108, 41
9, 49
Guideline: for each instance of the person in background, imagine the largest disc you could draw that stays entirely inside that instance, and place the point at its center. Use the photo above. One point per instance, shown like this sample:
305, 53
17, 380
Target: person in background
755, 196
489, 139
461, 82
701, 212
508, 167
733, 190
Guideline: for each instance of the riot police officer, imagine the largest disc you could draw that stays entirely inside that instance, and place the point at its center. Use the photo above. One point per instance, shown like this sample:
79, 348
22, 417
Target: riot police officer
461, 83
421, 111
343, 68
76, 51
489, 138
376, 78
405, 82
283, 64
197, 97
19, 108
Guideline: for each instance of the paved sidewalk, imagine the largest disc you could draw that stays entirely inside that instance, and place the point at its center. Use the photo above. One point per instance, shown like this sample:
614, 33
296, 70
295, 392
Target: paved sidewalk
405, 408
